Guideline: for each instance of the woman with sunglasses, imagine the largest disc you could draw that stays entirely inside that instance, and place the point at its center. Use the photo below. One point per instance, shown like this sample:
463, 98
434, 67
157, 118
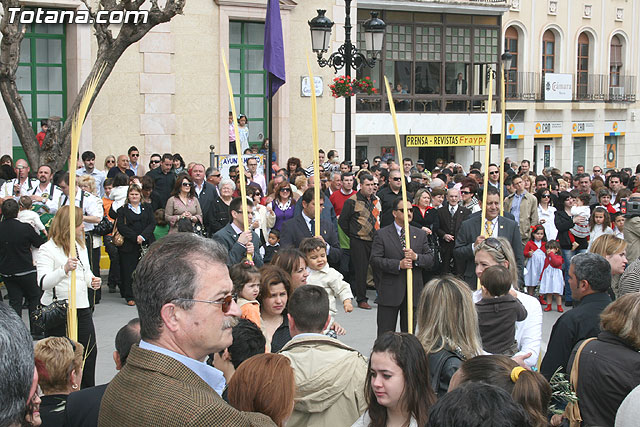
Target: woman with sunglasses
263, 216
498, 251
283, 204
468, 190
363, 164
109, 162
546, 213
183, 203
136, 223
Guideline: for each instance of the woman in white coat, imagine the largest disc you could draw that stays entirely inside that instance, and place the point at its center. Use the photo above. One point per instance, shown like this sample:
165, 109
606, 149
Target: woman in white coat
54, 267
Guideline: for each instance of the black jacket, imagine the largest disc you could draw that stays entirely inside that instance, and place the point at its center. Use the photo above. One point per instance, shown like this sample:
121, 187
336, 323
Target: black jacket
448, 224
131, 225
16, 240
429, 220
609, 369
217, 217
387, 197
83, 407
575, 325
163, 183
563, 223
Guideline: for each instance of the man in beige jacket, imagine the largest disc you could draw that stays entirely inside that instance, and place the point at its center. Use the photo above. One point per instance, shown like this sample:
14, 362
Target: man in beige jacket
524, 207
329, 375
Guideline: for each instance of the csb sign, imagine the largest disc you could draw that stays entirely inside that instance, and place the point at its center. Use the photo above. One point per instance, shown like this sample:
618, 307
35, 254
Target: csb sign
548, 130
445, 140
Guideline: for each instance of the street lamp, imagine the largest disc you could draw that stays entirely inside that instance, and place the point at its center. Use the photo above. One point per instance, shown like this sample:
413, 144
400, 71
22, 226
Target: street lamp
347, 56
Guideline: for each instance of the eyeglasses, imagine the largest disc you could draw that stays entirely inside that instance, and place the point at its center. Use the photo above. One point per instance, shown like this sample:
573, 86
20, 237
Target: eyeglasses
134, 155
286, 189
598, 170
465, 192
224, 302
545, 196
155, 161
494, 172
397, 179
186, 184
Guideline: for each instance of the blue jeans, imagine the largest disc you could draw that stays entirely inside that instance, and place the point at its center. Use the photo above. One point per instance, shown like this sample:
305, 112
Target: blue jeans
567, 254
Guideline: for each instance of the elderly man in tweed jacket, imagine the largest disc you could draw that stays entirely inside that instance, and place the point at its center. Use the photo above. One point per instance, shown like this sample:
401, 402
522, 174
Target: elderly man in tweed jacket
183, 294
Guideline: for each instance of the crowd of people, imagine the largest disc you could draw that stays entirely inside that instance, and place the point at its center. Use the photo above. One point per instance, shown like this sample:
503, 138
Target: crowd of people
259, 345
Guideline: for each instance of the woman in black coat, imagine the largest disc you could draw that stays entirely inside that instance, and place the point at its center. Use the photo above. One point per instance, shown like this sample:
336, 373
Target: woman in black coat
218, 215
136, 224
564, 222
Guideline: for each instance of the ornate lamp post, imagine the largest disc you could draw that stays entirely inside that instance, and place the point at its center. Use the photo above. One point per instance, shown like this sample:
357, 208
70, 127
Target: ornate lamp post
347, 56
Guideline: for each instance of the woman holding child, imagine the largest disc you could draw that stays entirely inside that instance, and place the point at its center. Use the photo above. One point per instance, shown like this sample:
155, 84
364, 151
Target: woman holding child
564, 223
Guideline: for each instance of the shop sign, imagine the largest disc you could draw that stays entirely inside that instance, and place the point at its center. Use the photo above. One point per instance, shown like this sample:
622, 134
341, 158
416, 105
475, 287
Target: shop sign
582, 129
614, 128
558, 87
225, 161
445, 140
548, 130
515, 130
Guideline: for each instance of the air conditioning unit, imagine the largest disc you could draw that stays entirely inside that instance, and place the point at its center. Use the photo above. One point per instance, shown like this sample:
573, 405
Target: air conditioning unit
616, 93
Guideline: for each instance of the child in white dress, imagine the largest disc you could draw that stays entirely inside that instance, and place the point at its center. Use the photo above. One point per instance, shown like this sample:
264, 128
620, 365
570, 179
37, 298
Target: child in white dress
535, 253
599, 224
551, 279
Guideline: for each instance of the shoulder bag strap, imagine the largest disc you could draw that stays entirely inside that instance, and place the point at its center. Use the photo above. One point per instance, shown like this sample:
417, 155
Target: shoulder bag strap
572, 411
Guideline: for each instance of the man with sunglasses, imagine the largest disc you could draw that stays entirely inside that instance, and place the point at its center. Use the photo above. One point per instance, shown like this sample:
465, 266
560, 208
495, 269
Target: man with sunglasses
388, 194
21, 185
239, 243
186, 309
472, 232
134, 161
163, 178
154, 161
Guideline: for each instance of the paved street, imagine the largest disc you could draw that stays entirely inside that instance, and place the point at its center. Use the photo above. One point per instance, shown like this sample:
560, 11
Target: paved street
112, 313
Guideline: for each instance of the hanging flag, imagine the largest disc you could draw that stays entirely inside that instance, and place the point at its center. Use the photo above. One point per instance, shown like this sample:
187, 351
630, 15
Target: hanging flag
273, 61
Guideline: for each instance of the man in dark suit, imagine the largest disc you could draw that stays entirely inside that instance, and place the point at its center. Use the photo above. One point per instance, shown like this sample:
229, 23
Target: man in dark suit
163, 178
495, 226
450, 216
205, 192
302, 226
186, 307
83, 406
238, 242
390, 260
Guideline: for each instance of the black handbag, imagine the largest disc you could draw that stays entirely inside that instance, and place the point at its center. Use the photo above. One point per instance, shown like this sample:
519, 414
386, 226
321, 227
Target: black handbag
104, 227
52, 315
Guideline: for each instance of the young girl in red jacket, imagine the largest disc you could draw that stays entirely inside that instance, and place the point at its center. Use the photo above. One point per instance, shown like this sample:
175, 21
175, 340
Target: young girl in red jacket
535, 254
551, 280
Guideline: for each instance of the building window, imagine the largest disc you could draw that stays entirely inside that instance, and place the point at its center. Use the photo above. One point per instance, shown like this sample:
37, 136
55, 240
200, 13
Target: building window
548, 52
41, 76
249, 80
615, 62
582, 72
434, 62
511, 44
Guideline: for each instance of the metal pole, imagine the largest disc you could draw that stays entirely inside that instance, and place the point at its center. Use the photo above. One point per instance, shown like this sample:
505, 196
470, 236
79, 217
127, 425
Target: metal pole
347, 99
267, 165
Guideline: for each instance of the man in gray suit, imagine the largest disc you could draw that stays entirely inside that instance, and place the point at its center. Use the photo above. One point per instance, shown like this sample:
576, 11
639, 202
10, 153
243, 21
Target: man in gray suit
239, 243
495, 226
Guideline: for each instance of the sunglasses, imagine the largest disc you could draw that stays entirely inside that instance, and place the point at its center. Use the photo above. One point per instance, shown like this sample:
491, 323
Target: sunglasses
285, 189
224, 302
494, 173
134, 155
186, 184
545, 196
154, 161
493, 243
397, 179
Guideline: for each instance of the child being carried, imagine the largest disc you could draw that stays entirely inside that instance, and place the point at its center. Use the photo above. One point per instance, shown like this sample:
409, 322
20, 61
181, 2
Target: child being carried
498, 312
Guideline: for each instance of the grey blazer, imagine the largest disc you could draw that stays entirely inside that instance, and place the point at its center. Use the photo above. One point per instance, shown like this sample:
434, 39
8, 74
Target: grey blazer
229, 239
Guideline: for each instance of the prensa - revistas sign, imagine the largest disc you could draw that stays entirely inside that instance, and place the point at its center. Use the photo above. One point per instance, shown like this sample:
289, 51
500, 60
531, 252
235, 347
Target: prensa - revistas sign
558, 87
